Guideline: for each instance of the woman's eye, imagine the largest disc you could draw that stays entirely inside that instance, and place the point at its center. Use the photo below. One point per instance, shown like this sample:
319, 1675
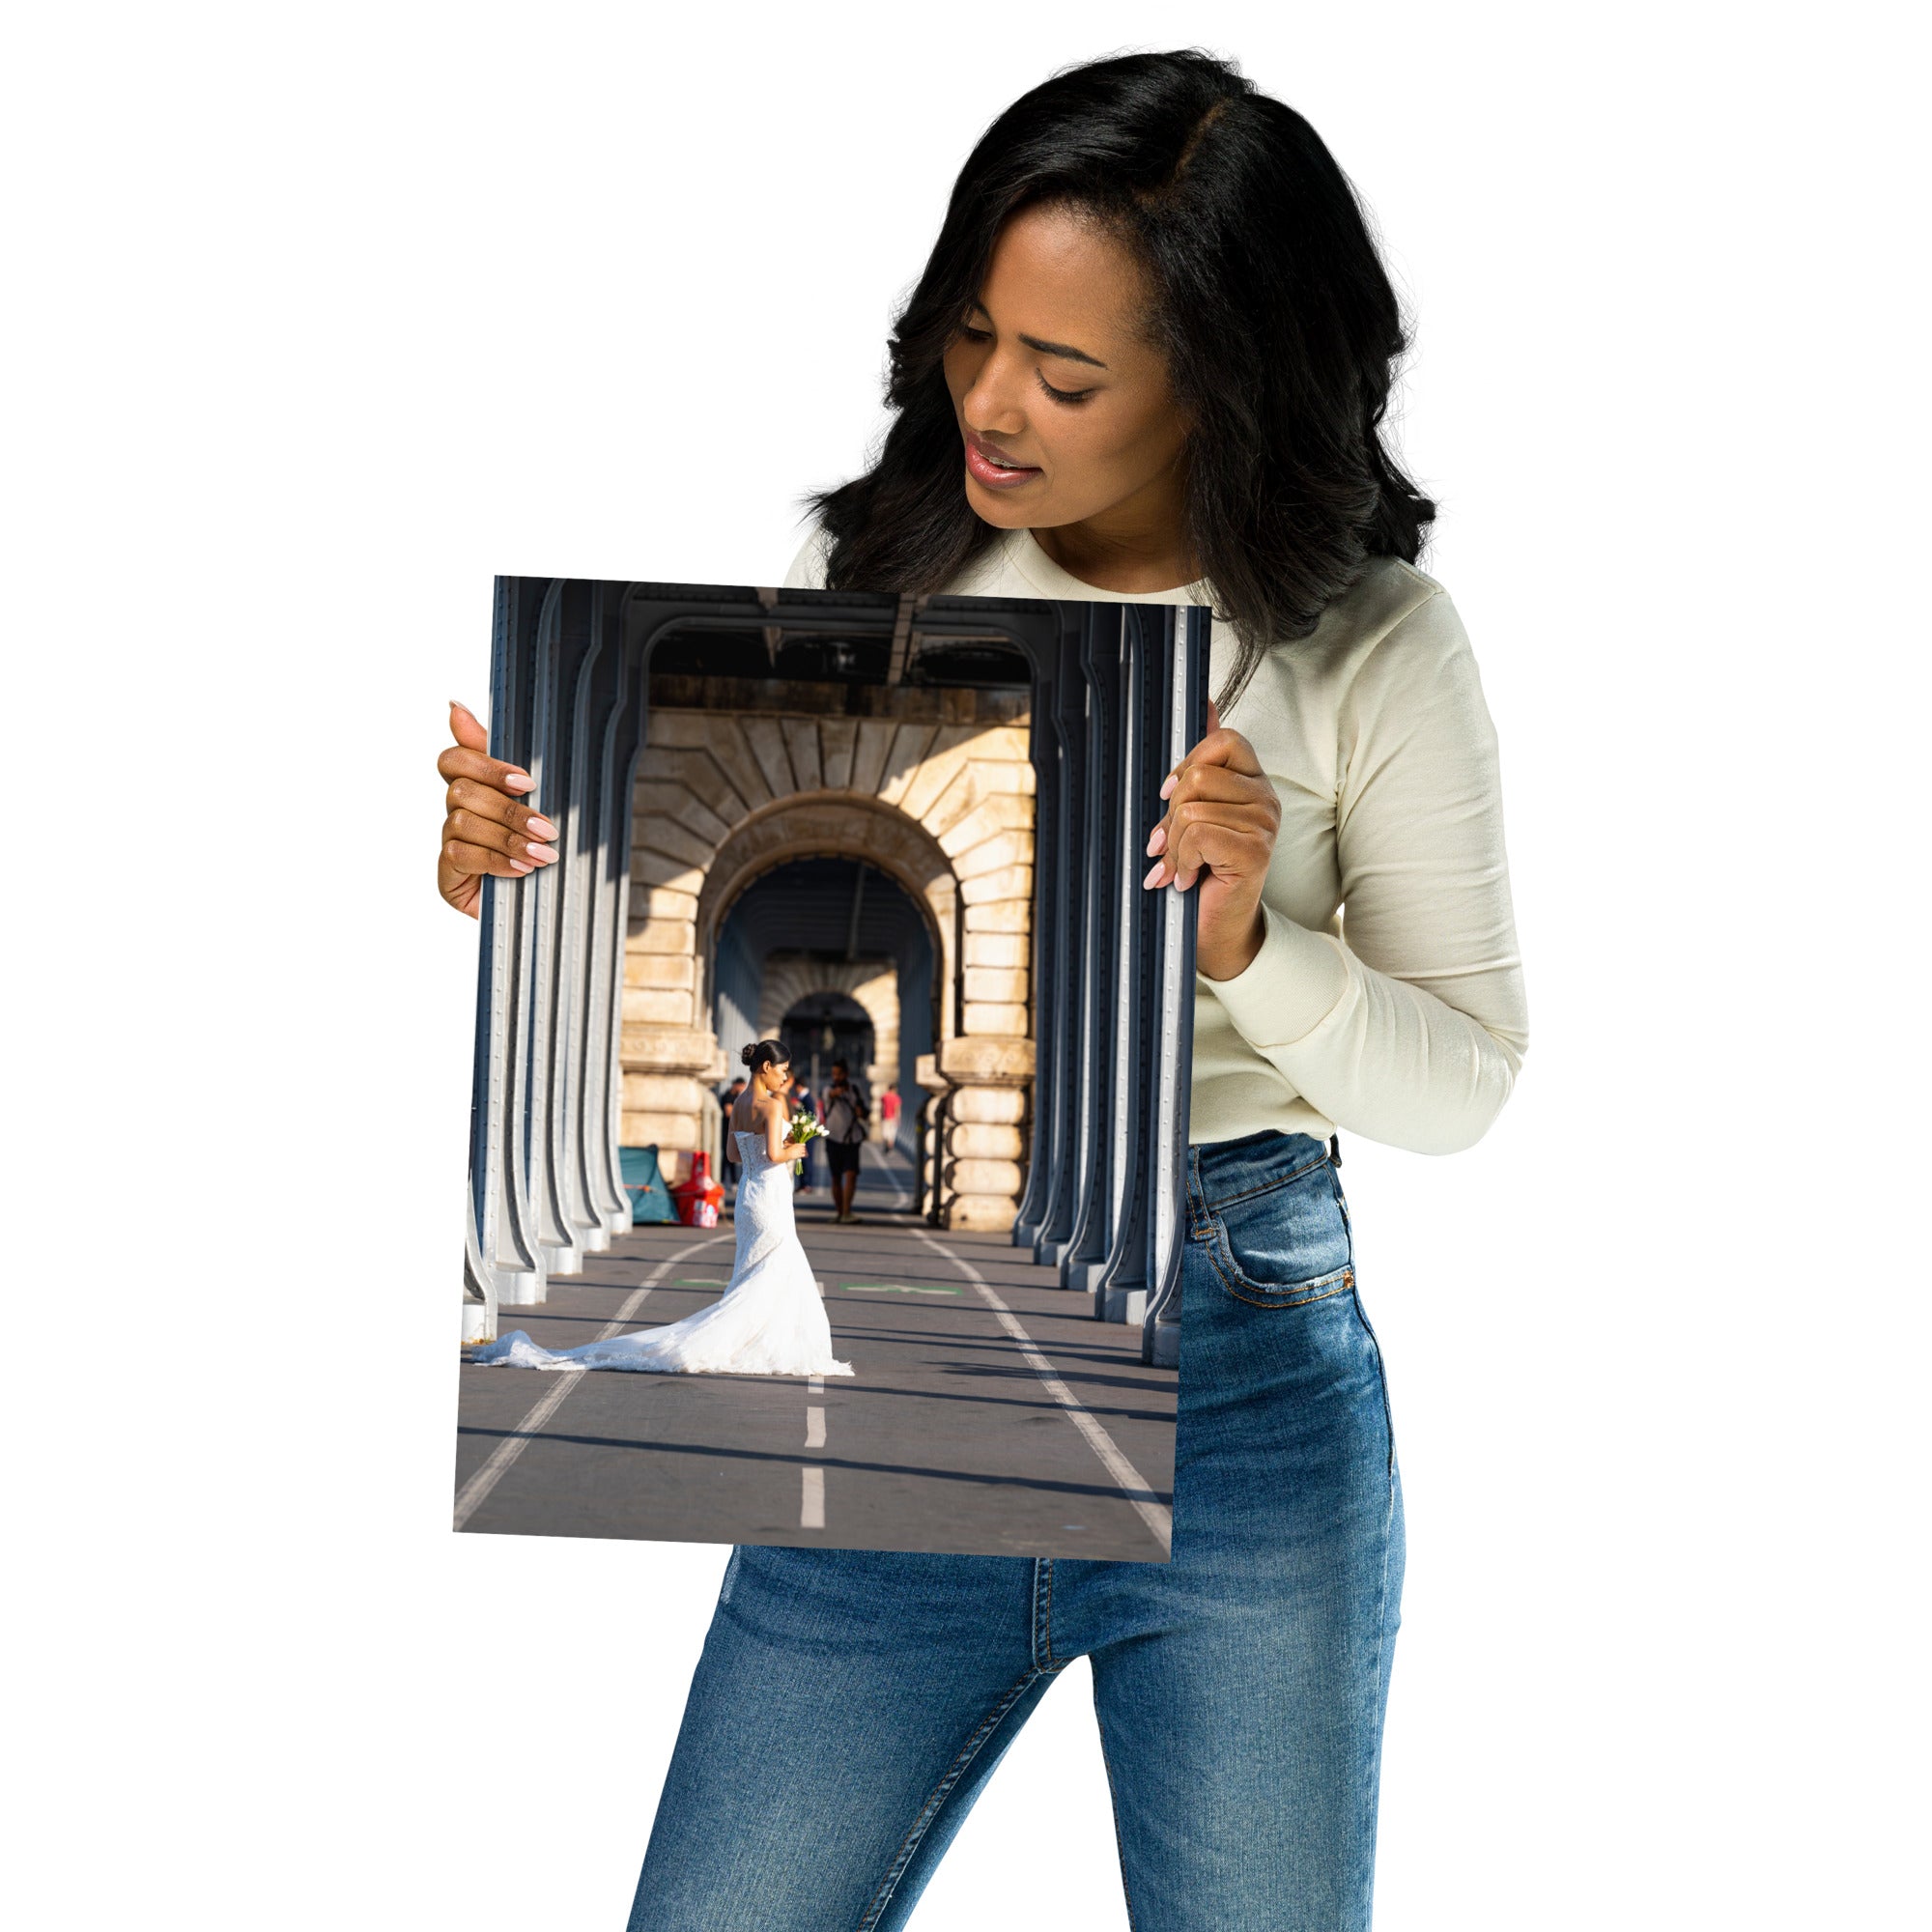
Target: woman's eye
1063, 395
975, 334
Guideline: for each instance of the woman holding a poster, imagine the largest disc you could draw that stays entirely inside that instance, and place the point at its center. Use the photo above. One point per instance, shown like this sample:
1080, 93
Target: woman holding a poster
1148, 358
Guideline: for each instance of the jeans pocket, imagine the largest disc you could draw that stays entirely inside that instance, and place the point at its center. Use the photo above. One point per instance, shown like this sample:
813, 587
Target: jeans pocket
1285, 1243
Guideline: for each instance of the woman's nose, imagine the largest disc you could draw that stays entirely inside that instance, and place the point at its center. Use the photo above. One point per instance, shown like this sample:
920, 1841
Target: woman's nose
991, 405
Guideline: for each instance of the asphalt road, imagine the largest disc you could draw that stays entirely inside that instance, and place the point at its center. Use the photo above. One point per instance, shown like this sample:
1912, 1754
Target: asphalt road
989, 1411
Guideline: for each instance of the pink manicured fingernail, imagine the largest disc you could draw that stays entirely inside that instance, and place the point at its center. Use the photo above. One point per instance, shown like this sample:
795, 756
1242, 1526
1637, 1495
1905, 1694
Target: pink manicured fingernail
518, 865
1159, 867
541, 828
1158, 842
519, 781
1173, 780
545, 853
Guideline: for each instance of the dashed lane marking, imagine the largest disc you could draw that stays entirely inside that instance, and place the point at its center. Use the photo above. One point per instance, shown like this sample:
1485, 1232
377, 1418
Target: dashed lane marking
812, 1507
1135, 1487
475, 1492
815, 1429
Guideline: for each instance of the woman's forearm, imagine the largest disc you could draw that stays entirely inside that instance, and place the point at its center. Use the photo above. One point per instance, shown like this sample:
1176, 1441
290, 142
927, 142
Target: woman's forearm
1383, 1058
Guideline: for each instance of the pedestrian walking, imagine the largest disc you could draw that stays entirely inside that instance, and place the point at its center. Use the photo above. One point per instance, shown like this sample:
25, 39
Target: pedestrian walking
848, 1117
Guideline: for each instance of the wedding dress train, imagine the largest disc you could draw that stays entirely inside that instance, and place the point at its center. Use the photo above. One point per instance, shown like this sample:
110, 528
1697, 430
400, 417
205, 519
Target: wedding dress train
769, 1321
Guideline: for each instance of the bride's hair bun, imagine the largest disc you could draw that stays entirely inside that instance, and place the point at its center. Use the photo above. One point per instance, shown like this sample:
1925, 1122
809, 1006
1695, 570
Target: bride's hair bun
746, 1054
764, 1053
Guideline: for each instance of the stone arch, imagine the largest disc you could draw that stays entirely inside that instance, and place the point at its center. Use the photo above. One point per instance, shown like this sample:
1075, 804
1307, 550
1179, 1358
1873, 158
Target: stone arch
830, 827
944, 808
872, 983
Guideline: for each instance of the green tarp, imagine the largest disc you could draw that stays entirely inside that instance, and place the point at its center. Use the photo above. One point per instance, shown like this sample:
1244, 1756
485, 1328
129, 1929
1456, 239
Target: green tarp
650, 1199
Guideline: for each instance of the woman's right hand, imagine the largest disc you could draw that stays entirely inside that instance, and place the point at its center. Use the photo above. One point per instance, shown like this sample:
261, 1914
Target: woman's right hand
488, 827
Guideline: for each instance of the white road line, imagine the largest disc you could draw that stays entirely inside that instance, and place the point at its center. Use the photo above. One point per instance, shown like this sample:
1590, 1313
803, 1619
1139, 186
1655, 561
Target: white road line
475, 1492
815, 1429
811, 1510
1137, 1489
815, 1385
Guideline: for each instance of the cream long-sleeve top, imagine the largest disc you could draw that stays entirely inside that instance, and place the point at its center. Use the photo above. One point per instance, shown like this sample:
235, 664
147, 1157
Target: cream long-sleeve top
1387, 998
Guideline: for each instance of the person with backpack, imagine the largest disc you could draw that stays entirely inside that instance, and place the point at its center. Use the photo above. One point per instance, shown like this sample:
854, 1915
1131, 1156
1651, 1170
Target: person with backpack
849, 1116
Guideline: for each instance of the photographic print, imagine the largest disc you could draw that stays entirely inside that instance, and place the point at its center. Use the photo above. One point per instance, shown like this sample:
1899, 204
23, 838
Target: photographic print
830, 1110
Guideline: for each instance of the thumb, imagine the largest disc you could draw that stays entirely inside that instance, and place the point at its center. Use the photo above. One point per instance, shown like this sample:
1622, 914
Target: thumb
467, 729
1213, 717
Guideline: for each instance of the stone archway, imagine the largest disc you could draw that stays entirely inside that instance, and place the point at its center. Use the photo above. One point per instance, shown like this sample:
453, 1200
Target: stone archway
945, 809
828, 826
872, 984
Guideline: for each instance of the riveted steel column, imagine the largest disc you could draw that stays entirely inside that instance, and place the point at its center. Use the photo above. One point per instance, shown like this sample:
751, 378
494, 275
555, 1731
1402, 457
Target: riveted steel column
1070, 965
577, 646
1120, 1286
1083, 1253
505, 1250
607, 855
1183, 647
627, 748
479, 1279
1059, 725
544, 891
1048, 808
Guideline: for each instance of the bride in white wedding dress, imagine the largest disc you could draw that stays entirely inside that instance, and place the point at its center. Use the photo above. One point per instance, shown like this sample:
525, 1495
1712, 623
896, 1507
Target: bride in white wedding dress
770, 1319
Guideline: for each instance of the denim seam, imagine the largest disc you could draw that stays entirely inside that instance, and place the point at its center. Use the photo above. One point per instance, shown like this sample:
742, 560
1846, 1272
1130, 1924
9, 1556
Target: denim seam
1370, 1781
1268, 1186
1388, 1409
1235, 1282
910, 1843
1120, 1833
1043, 1616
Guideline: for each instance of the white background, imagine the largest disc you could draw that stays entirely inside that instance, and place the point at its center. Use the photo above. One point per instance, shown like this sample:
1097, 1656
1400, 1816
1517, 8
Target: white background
321, 316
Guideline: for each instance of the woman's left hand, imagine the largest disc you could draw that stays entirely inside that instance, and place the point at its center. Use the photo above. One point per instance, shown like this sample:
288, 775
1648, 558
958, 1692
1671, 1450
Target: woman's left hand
1222, 817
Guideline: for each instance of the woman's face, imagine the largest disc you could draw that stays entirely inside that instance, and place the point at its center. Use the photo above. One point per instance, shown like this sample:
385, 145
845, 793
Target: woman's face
1065, 410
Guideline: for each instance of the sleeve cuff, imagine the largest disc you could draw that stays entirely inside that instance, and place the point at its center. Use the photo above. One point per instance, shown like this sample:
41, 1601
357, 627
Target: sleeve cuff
1287, 988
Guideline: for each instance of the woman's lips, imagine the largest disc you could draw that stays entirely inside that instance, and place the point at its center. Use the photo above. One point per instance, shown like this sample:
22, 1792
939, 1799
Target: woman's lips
988, 466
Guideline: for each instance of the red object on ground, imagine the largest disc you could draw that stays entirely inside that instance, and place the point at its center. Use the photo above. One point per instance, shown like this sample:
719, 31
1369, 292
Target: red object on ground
698, 1198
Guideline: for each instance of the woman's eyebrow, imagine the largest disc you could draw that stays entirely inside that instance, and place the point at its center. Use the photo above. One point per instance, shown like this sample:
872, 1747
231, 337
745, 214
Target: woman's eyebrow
1062, 348
1067, 349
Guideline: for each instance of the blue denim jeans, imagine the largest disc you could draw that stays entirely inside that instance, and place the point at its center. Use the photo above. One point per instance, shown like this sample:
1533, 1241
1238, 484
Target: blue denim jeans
849, 1705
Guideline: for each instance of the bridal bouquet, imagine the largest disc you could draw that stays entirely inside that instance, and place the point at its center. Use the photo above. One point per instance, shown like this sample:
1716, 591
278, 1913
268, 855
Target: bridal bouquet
803, 1127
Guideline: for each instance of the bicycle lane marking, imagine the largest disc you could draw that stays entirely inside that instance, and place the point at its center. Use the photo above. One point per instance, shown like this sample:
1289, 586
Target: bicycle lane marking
1135, 1487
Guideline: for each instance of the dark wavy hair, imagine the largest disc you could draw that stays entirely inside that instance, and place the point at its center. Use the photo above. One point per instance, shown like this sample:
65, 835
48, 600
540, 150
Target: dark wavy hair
1279, 326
